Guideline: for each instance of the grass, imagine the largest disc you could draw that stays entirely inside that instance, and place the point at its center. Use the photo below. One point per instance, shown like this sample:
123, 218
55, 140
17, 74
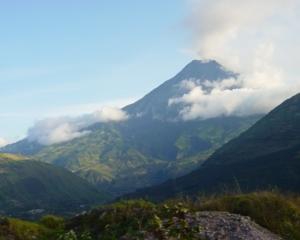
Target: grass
48, 227
16, 229
26, 230
12, 157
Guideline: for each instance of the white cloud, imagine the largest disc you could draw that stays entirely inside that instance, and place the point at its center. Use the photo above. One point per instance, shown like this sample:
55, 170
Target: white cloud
230, 31
110, 114
257, 39
3, 142
56, 130
226, 101
85, 108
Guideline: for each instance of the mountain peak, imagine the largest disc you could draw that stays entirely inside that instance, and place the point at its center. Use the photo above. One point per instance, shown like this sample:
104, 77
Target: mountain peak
155, 105
194, 64
208, 70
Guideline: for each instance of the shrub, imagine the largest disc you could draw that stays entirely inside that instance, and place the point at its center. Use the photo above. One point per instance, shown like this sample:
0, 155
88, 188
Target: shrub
137, 219
23, 230
52, 222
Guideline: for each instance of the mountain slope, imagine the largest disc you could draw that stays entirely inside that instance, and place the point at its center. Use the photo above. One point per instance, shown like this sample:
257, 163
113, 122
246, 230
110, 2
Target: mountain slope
155, 105
279, 131
267, 155
123, 157
150, 147
26, 185
23, 147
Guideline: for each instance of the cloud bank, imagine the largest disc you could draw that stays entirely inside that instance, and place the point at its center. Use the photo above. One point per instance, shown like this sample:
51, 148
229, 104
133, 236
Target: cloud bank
3, 142
61, 129
257, 39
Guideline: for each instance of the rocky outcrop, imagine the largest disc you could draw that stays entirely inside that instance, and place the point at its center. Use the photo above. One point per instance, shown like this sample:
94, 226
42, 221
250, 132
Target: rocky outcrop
215, 226
226, 226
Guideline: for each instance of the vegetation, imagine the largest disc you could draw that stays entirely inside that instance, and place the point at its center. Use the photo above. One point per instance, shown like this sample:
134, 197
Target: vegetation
266, 155
140, 219
114, 156
136, 219
30, 188
11, 157
15, 229
279, 131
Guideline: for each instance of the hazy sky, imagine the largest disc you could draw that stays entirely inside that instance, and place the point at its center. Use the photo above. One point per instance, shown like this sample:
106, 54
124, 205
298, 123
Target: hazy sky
71, 56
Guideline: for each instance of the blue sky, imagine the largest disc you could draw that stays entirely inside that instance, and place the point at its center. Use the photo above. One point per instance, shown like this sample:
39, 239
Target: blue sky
69, 57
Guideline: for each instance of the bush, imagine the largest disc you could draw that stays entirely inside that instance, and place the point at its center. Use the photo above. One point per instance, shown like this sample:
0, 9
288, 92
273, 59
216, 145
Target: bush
53, 222
23, 230
71, 235
137, 219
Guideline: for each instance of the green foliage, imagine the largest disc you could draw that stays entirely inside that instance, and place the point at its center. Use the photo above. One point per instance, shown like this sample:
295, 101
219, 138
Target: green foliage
52, 222
27, 185
4, 228
139, 219
174, 219
16, 229
11, 157
71, 235
26, 230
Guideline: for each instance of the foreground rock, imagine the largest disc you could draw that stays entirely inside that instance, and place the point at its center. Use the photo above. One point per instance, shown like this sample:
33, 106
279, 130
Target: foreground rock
221, 225
143, 220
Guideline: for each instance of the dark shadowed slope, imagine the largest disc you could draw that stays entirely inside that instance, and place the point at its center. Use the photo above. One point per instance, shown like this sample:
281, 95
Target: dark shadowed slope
26, 185
265, 156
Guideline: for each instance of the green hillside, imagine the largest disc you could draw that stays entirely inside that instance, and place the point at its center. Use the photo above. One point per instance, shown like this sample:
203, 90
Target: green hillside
278, 132
123, 157
30, 187
265, 156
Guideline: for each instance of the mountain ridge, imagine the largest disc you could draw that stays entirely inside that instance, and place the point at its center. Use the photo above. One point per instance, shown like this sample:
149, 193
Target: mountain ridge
155, 104
265, 156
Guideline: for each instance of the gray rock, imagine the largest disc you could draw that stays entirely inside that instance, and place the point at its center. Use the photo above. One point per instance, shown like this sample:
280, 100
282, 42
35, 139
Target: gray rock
209, 226
226, 226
